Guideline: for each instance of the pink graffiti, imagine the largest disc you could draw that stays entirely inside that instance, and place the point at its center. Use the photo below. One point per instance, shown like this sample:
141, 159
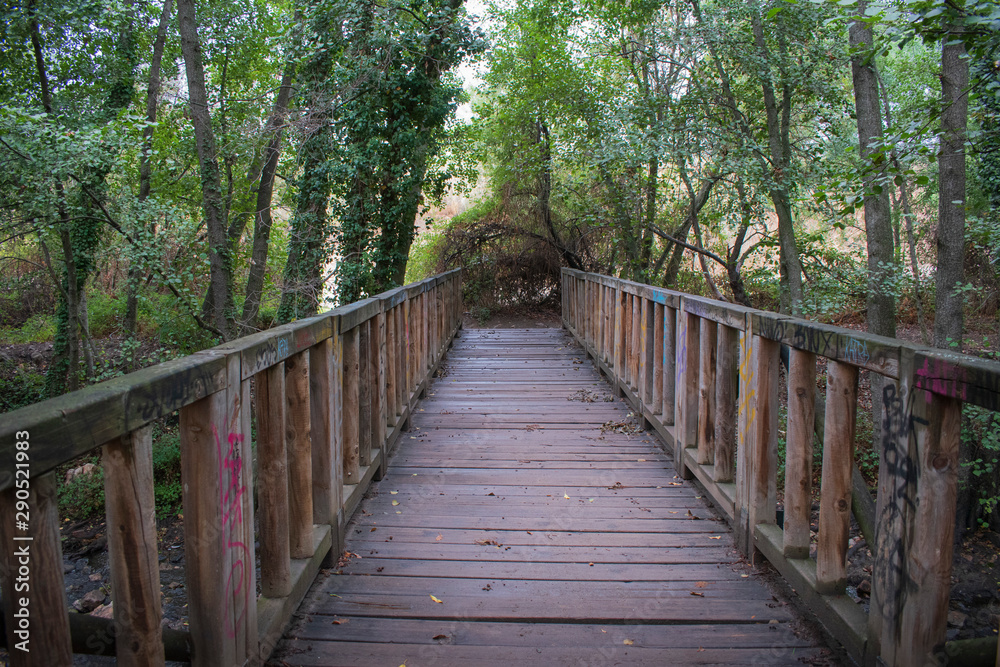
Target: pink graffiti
231, 492
943, 378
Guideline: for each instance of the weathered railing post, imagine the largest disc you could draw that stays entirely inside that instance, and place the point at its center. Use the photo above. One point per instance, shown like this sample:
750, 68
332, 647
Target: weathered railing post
35, 553
135, 573
727, 363
835, 491
708, 350
272, 482
799, 452
686, 388
218, 525
298, 443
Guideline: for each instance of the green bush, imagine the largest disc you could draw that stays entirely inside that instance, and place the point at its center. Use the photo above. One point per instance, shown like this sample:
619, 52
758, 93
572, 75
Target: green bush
38, 329
82, 499
104, 313
167, 473
24, 386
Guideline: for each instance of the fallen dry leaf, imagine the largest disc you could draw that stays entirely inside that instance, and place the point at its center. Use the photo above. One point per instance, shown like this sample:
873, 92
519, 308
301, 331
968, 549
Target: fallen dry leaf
395, 502
394, 492
628, 642
566, 496
436, 600
715, 537
438, 538
373, 529
489, 543
436, 637
697, 594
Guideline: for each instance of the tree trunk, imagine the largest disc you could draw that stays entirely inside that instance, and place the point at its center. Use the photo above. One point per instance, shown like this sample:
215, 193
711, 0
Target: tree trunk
881, 315
146, 163
948, 321
265, 191
220, 263
780, 158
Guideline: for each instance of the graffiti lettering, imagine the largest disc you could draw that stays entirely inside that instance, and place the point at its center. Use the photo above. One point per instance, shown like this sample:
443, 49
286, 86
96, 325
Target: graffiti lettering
231, 493
856, 352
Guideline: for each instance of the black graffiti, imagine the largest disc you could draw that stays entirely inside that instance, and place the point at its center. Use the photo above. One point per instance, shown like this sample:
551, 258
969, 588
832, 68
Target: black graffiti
772, 329
817, 341
901, 478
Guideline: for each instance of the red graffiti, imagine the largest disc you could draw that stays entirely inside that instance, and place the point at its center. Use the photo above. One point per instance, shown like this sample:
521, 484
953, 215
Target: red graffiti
231, 493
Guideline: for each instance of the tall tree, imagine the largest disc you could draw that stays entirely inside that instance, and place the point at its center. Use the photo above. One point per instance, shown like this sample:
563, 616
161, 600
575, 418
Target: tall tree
213, 207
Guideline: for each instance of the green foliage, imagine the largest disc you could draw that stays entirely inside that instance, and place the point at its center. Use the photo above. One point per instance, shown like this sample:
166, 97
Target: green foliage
38, 329
20, 385
981, 440
82, 499
167, 471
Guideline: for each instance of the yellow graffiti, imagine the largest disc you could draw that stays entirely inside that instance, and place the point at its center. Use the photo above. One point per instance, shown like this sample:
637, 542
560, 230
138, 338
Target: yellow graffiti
748, 389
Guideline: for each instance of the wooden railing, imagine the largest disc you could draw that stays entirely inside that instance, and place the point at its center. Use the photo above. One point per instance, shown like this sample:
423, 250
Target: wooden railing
705, 375
331, 395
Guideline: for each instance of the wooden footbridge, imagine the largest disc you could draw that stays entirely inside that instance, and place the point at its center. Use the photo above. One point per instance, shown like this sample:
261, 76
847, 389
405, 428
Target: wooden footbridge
354, 495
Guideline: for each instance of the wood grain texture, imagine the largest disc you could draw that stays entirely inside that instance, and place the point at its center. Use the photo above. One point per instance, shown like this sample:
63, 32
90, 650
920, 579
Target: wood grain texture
707, 352
135, 574
799, 452
551, 536
366, 388
726, 378
835, 491
658, 358
272, 482
298, 444
35, 554
351, 382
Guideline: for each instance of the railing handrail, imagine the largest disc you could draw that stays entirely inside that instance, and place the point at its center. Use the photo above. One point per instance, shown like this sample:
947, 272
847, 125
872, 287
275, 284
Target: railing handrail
332, 393
131, 401
704, 374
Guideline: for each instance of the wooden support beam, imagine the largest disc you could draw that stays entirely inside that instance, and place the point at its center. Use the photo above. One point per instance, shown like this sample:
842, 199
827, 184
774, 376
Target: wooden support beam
378, 389
635, 345
658, 355
272, 482
365, 390
218, 526
38, 632
669, 363
298, 444
835, 491
135, 573
686, 389
799, 452
321, 431
726, 375
929, 559
351, 396
708, 351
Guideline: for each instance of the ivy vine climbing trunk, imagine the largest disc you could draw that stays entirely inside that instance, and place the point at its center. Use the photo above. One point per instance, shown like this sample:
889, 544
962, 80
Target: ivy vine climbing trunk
220, 305
146, 162
948, 319
881, 315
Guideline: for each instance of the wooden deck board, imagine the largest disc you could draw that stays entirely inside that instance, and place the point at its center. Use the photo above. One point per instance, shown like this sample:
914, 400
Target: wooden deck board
552, 531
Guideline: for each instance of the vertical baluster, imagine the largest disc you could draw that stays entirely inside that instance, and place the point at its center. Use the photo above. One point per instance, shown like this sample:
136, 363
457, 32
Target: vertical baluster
321, 431
351, 396
707, 348
135, 573
929, 559
400, 357
390, 367
218, 529
725, 403
298, 442
686, 387
378, 390
272, 482
835, 490
799, 452
646, 376
764, 446
365, 387
635, 347
621, 336
669, 363
47, 634
657, 354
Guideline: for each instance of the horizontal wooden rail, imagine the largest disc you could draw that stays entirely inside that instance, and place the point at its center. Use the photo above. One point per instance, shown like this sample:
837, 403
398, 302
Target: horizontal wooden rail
705, 375
331, 396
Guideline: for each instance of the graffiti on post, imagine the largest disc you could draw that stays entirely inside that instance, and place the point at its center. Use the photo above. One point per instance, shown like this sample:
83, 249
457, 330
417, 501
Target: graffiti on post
231, 495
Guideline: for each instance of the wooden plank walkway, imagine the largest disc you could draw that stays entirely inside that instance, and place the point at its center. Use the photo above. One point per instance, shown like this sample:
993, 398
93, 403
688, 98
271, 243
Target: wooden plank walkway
526, 520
